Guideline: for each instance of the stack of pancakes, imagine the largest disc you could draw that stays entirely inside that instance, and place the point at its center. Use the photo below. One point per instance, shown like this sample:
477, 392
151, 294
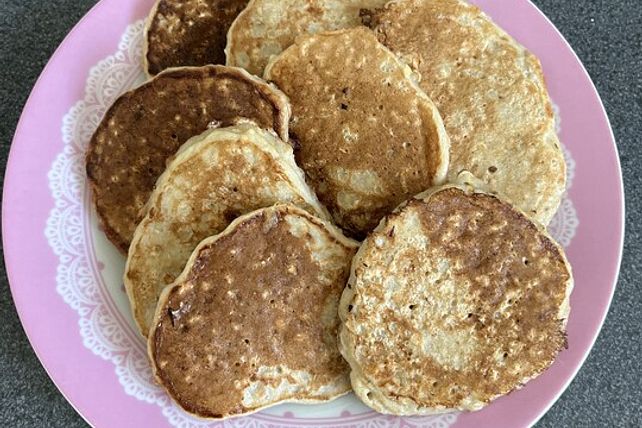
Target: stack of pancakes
417, 127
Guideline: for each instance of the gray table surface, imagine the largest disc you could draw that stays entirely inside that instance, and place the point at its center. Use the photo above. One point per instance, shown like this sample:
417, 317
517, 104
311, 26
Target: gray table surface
607, 35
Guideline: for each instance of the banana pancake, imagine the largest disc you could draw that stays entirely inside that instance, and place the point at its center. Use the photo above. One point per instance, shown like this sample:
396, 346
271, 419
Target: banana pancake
252, 320
267, 27
456, 299
491, 94
188, 33
369, 137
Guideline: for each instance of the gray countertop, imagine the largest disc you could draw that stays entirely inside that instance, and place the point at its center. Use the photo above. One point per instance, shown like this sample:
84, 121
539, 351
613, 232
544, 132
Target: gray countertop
607, 36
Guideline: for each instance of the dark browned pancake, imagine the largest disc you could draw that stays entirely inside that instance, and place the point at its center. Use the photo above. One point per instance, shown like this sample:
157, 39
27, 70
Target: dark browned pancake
456, 299
252, 320
146, 126
370, 137
188, 32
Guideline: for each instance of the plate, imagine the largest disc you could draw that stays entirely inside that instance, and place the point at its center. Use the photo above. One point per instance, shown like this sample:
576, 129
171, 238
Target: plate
66, 278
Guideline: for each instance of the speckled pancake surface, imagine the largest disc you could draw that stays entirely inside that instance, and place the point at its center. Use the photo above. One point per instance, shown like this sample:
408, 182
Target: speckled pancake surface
252, 320
491, 94
188, 32
456, 299
369, 137
267, 27
214, 178
147, 125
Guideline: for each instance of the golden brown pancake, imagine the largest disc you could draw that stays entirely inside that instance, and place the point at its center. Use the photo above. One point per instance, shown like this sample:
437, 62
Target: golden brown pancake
491, 94
369, 137
188, 33
456, 299
213, 179
266, 28
146, 126
252, 320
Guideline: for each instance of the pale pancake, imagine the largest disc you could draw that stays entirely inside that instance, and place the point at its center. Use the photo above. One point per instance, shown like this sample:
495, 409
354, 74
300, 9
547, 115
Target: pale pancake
455, 300
188, 33
252, 320
491, 94
267, 27
213, 179
146, 126
369, 137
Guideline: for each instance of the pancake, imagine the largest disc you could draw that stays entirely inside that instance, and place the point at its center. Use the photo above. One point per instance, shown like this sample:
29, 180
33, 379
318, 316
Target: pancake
188, 33
213, 179
456, 299
369, 137
146, 126
491, 94
252, 320
267, 27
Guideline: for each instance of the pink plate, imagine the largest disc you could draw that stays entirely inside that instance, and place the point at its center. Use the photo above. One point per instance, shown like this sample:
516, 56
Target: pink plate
66, 278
